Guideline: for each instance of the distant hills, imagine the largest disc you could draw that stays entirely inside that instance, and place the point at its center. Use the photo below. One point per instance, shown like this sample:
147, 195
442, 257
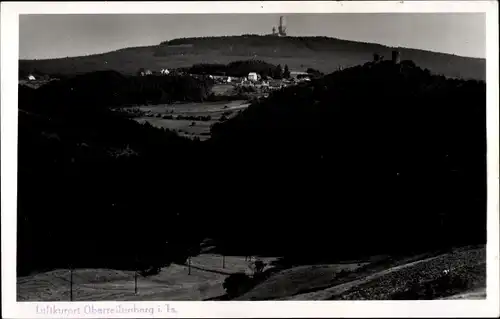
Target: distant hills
299, 53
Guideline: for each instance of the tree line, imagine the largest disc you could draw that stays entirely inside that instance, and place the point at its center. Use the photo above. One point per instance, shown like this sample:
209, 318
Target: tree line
239, 69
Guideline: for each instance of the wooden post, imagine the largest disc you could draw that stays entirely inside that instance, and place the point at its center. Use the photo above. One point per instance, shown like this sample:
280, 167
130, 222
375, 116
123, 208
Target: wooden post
135, 276
135, 280
189, 265
71, 283
223, 261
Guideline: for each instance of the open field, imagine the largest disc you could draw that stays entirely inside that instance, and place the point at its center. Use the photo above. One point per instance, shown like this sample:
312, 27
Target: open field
172, 283
377, 279
187, 127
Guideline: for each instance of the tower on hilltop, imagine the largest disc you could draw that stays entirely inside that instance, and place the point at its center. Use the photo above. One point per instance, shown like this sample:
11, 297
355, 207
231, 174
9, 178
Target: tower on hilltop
282, 27
281, 32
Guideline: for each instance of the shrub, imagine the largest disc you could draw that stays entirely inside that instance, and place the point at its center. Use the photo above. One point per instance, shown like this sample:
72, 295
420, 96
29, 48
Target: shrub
259, 266
237, 284
151, 271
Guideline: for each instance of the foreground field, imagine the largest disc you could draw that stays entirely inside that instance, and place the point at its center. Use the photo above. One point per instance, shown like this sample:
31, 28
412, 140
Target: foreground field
409, 278
172, 283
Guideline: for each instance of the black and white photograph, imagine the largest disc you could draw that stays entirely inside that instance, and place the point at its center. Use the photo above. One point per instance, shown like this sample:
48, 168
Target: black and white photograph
262, 156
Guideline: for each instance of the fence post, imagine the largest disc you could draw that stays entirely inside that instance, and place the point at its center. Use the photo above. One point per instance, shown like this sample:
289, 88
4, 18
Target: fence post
71, 282
189, 265
135, 276
223, 261
135, 280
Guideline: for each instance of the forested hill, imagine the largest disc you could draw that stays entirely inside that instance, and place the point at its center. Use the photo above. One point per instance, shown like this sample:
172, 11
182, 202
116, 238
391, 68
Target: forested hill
375, 157
299, 53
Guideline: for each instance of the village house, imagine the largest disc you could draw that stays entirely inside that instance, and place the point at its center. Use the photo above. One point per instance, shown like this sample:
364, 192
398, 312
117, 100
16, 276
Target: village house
146, 72
252, 76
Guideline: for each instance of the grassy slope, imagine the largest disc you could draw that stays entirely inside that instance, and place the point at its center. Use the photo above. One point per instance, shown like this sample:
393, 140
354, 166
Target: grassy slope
379, 280
401, 277
325, 54
296, 280
375, 281
172, 283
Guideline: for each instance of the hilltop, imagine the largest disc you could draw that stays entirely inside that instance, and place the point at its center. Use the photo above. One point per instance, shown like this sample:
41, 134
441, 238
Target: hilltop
299, 53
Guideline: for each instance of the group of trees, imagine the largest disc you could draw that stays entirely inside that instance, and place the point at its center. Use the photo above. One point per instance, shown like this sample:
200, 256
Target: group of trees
314, 73
105, 89
371, 159
277, 73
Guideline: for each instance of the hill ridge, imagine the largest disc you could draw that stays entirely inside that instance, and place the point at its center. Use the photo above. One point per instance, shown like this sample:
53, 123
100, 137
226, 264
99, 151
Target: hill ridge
299, 53
166, 42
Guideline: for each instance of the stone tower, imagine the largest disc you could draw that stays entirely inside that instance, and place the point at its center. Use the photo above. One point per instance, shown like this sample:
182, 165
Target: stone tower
282, 27
396, 57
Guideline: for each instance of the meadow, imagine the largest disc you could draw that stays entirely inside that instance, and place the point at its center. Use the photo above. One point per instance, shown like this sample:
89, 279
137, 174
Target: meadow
181, 117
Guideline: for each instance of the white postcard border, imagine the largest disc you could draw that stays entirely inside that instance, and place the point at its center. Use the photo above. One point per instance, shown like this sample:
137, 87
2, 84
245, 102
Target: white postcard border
205, 309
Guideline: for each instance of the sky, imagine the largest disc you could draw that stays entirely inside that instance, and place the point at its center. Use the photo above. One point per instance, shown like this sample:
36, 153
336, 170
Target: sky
53, 36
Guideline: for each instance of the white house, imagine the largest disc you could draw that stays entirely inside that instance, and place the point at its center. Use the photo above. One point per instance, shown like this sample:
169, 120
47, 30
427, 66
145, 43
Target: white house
228, 79
165, 72
252, 76
31, 77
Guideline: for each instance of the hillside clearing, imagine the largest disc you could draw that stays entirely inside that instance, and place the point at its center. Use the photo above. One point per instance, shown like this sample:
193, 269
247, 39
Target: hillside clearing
187, 127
